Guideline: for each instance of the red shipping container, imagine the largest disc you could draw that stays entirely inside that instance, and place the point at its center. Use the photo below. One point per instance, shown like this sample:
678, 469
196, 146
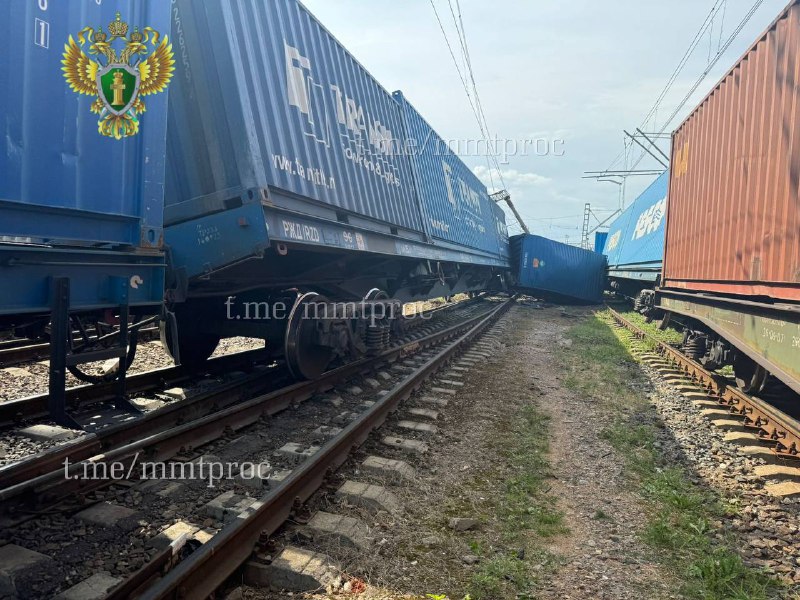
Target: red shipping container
733, 215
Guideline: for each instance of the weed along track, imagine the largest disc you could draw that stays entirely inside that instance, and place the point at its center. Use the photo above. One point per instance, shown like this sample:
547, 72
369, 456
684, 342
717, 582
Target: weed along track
501, 451
758, 427
724, 477
540, 482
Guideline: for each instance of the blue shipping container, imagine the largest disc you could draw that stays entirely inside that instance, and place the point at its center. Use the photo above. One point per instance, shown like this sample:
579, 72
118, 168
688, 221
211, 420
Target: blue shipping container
557, 271
60, 180
600, 241
635, 244
268, 107
455, 204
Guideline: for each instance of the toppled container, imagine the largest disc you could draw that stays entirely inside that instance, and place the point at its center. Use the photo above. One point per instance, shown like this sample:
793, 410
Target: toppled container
558, 272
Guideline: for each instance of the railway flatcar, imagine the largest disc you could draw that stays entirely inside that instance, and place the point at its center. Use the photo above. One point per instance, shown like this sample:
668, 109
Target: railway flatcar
732, 246
635, 245
80, 212
298, 188
558, 272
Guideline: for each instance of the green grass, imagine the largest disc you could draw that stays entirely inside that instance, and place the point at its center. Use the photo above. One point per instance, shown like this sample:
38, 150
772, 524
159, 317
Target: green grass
498, 576
601, 515
525, 510
525, 506
680, 514
669, 335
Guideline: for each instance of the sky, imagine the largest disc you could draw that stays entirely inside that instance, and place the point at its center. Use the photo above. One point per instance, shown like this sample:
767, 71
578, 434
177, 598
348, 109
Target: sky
561, 79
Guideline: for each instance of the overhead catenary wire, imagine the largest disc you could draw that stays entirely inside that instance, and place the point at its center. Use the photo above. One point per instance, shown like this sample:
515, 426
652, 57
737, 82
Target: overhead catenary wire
482, 113
676, 72
707, 70
476, 110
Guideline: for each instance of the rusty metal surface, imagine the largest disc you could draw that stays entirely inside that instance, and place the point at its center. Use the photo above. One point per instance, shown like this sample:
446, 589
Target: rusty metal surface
208, 567
779, 430
733, 216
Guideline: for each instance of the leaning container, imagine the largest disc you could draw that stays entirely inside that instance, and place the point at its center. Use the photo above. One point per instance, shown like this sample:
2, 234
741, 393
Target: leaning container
635, 242
556, 271
455, 204
269, 108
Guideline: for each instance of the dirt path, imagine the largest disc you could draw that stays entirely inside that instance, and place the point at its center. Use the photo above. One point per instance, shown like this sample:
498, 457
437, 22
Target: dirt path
527, 449
601, 555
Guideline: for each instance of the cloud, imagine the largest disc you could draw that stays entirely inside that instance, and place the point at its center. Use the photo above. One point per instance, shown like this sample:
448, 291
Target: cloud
512, 177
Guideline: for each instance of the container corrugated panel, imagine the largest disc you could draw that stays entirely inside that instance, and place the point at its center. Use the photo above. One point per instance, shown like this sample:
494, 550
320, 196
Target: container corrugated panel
502, 231
60, 180
600, 240
455, 203
265, 98
635, 239
557, 270
733, 219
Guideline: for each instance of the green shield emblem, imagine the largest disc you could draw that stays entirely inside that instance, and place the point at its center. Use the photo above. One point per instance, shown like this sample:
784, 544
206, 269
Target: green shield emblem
118, 86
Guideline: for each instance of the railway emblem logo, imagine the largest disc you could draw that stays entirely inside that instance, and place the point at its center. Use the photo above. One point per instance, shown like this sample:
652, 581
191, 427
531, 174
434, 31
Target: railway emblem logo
118, 82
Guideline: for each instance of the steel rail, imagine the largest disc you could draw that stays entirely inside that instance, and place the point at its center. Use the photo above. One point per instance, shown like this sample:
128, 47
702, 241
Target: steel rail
199, 575
45, 479
172, 415
771, 425
35, 407
15, 355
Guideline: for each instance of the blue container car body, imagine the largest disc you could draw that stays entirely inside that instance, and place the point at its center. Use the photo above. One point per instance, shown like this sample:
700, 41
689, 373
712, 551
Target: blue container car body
635, 243
455, 204
556, 271
74, 203
286, 165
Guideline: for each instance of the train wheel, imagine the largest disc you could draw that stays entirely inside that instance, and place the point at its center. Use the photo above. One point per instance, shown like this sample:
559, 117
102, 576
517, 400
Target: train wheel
192, 348
376, 294
750, 376
305, 358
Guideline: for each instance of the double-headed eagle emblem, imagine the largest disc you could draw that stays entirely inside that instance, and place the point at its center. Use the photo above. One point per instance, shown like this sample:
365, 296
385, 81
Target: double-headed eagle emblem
122, 81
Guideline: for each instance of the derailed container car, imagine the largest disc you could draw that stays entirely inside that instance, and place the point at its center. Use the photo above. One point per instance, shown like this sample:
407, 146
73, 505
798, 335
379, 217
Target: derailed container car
732, 255
559, 272
288, 183
635, 243
80, 211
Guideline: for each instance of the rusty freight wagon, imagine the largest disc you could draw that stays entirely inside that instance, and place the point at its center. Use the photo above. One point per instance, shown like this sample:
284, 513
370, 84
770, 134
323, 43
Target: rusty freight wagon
732, 248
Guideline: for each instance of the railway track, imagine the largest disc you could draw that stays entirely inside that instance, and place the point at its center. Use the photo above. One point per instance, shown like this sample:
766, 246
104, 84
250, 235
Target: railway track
206, 569
25, 495
15, 352
752, 421
21, 479
35, 407
80, 397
